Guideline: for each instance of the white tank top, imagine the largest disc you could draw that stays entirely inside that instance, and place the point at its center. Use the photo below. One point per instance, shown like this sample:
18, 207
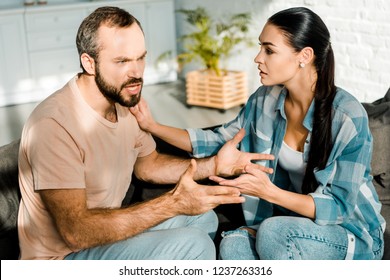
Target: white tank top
292, 161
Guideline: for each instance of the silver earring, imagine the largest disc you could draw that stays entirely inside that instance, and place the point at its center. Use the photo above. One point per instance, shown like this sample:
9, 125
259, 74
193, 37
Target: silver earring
302, 65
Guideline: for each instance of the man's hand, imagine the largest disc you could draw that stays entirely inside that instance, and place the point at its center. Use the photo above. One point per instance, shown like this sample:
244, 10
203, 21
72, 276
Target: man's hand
231, 162
194, 199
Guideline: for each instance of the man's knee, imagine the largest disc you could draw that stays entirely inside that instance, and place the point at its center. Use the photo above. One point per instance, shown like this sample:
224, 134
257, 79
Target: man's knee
188, 243
198, 244
210, 223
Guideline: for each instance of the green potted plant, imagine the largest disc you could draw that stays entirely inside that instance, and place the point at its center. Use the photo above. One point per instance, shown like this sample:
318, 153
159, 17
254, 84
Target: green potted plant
212, 41
209, 43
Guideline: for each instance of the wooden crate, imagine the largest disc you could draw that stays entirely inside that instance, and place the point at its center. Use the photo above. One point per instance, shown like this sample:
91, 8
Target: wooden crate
223, 92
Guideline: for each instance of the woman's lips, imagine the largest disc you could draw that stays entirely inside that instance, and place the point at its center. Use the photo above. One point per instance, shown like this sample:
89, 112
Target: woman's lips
262, 74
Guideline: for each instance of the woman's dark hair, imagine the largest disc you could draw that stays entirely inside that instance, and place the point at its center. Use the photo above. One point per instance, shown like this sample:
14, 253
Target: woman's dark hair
303, 28
87, 35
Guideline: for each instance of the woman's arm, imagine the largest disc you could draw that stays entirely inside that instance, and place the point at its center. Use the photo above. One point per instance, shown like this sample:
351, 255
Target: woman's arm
175, 136
229, 161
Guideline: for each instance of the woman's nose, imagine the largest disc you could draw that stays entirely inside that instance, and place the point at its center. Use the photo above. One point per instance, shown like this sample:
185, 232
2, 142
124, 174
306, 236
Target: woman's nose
258, 58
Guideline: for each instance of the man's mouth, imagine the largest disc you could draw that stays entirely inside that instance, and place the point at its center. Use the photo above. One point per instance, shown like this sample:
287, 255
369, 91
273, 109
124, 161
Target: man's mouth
133, 88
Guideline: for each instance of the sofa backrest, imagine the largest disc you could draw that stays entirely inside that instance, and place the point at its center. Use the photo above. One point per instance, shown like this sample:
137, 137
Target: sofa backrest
9, 201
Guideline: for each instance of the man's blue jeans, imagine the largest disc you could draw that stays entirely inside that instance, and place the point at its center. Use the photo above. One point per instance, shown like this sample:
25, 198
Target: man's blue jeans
179, 238
289, 238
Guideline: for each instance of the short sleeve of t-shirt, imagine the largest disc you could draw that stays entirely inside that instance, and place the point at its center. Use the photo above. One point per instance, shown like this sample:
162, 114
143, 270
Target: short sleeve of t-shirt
55, 159
145, 143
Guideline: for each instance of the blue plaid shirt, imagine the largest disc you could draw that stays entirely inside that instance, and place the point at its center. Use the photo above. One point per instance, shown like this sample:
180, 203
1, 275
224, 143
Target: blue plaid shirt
345, 193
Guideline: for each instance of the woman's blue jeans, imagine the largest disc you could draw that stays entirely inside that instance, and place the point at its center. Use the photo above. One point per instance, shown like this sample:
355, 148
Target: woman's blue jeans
286, 238
179, 238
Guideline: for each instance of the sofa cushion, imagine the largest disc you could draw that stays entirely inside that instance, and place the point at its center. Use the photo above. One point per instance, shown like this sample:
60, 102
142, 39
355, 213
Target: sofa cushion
386, 214
9, 201
379, 121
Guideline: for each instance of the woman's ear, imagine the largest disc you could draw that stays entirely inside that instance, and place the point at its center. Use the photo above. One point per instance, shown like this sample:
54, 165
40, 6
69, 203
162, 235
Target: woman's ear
306, 55
88, 63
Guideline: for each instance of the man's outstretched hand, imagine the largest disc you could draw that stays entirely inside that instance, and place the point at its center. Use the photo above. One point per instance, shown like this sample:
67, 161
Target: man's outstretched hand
231, 162
192, 198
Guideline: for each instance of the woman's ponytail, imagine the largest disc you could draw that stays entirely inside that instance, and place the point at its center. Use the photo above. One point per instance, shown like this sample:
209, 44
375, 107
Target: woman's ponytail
321, 137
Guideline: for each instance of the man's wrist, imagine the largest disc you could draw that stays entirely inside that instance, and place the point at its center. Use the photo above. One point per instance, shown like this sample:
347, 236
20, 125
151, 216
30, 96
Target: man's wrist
206, 167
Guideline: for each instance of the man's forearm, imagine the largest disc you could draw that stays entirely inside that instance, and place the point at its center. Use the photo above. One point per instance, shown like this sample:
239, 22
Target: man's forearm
103, 226
167, 169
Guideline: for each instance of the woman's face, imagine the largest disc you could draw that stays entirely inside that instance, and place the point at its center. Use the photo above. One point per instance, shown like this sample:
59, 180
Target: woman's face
277, 61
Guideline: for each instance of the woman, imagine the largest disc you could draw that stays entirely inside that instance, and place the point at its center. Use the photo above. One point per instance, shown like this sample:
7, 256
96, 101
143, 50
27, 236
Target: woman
319, 203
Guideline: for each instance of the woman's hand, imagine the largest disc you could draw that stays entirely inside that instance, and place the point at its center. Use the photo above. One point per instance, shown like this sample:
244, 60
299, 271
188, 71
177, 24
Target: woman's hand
143, 115
256, 183
253, 181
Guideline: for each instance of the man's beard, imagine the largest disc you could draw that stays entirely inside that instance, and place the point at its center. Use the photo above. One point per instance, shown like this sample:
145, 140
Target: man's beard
113, 94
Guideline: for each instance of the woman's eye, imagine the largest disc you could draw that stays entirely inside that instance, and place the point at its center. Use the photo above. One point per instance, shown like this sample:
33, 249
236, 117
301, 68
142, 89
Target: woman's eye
267, 50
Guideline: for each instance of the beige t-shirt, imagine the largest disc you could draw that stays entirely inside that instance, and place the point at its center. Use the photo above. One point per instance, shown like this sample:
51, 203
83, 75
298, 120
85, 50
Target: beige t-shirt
66, 145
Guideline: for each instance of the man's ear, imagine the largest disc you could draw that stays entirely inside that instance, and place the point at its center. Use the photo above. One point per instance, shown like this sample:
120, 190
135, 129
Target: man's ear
306, 55
88, 63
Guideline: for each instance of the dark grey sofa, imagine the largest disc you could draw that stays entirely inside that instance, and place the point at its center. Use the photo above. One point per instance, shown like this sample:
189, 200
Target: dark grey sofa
230, 216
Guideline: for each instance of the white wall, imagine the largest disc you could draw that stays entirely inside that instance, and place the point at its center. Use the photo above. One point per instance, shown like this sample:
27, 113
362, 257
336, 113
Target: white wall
360, 32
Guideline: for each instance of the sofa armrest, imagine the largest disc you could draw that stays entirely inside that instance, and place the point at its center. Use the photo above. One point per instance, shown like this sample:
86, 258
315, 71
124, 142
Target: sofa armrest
9, 201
